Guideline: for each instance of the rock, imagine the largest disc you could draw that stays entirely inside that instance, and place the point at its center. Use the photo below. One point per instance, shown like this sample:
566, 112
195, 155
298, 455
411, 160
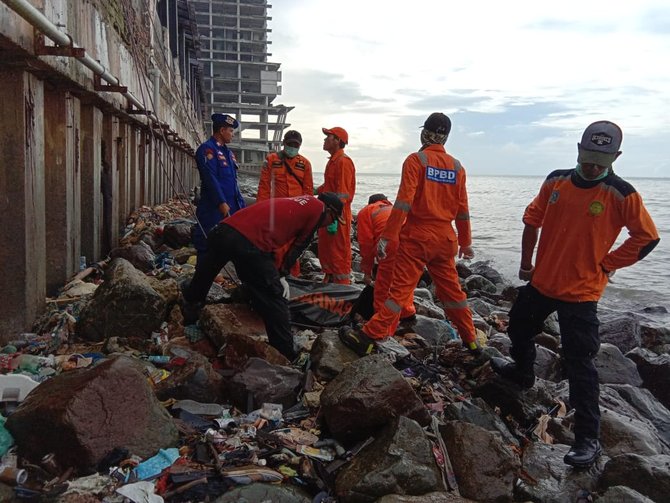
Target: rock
484, 269
238, 348
613, 367
523, 405
463, 270
551, 325
547, 478
177, 235
509, 293
259, 492
648, 475
623, 494
655, 373
485, 467
654, 335
547, 364
550, 342
367, 395
220, 320
399, 461
181, 255
329, 356
166, 288
622, 434
125, 305
622, 331
478, 412
501, 342
261, 382
648, 407
426, 498
426, 306
92, 412
140, 255
477, 282
195, 380
481, 307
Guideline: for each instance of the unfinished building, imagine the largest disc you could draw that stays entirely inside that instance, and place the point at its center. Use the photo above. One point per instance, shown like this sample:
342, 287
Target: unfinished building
238, 79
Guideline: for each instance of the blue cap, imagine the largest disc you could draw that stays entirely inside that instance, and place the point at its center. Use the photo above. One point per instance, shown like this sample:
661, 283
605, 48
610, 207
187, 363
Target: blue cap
220, 120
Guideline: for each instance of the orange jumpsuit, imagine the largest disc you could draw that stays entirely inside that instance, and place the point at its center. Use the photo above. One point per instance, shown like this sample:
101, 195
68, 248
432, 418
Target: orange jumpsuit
431, 195
335, 249
277, 180
371, 221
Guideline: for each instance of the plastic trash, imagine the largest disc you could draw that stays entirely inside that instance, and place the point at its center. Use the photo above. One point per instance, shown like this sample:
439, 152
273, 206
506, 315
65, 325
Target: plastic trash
140, 492
15, 387
202, 409
153, 466
6, 439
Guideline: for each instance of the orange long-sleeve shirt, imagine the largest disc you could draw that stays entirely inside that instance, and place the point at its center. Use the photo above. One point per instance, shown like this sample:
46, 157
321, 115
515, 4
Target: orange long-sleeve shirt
580, 222
370, 224
431, 195
276, 181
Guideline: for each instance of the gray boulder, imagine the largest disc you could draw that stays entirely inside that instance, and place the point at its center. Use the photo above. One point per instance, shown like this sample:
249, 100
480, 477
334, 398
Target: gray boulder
613, 367
648, 475
330, 356
399, 461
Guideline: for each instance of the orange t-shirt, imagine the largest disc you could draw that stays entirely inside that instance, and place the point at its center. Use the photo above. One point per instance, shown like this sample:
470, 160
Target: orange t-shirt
580, 222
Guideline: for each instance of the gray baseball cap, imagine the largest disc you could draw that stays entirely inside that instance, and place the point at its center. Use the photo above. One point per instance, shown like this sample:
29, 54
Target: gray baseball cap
600, 143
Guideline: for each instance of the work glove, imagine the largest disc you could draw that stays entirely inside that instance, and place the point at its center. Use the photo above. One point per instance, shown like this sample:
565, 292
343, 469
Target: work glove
332, 228
381, 247
287, 291
526, 274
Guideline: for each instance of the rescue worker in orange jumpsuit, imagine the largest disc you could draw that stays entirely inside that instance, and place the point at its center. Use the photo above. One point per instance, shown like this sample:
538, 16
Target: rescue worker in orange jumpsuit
432, 195
581, 212
370, 224
340, 178
286, 174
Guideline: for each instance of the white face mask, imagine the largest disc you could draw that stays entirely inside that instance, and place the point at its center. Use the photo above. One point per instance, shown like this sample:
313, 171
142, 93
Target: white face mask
291, 151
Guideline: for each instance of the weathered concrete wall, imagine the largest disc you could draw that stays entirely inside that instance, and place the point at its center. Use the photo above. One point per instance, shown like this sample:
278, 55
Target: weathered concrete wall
66, 143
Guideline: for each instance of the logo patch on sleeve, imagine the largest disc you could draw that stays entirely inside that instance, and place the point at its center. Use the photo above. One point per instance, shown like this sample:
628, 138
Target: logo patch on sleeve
441, 175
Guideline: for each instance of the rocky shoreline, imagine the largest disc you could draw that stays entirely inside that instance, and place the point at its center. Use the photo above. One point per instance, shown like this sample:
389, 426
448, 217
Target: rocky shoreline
229, 415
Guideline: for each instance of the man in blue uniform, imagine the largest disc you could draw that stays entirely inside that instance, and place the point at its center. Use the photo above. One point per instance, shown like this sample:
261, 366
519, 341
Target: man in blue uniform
219, 194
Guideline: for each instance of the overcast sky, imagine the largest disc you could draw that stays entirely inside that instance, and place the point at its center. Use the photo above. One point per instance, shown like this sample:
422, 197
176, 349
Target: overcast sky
520, 80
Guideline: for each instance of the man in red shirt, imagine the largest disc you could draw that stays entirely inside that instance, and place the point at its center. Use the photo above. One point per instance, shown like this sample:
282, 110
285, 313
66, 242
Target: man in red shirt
250, 239
286, 174
581, 212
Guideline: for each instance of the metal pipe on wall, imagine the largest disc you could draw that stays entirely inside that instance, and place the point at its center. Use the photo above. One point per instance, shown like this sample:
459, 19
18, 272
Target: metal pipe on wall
36, 18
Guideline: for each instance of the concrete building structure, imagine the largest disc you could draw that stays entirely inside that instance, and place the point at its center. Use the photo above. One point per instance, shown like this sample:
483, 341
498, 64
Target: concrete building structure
238, 78
83, 85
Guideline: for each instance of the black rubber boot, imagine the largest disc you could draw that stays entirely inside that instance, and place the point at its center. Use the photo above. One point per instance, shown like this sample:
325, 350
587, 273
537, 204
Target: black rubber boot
584, 453
509, 371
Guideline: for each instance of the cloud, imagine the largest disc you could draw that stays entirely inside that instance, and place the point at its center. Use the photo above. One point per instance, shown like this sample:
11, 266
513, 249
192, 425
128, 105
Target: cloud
520, 84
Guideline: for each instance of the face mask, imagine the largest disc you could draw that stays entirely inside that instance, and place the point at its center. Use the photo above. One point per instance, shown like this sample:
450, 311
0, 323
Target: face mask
602, 175
291, 151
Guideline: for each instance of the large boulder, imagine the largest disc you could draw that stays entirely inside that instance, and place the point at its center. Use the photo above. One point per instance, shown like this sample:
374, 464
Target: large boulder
648, 475
477, 411
614, 368
218, 321
81, 416
140, 255
125, 305
655, 373
196, 379
621, 434
437, 497
622, 331
261, 382
484, 465
259, 492
648, 407
399, 461
367, 395
329, 356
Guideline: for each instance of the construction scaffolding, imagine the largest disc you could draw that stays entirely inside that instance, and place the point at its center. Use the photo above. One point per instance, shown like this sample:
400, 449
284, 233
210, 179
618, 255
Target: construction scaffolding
238, 79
